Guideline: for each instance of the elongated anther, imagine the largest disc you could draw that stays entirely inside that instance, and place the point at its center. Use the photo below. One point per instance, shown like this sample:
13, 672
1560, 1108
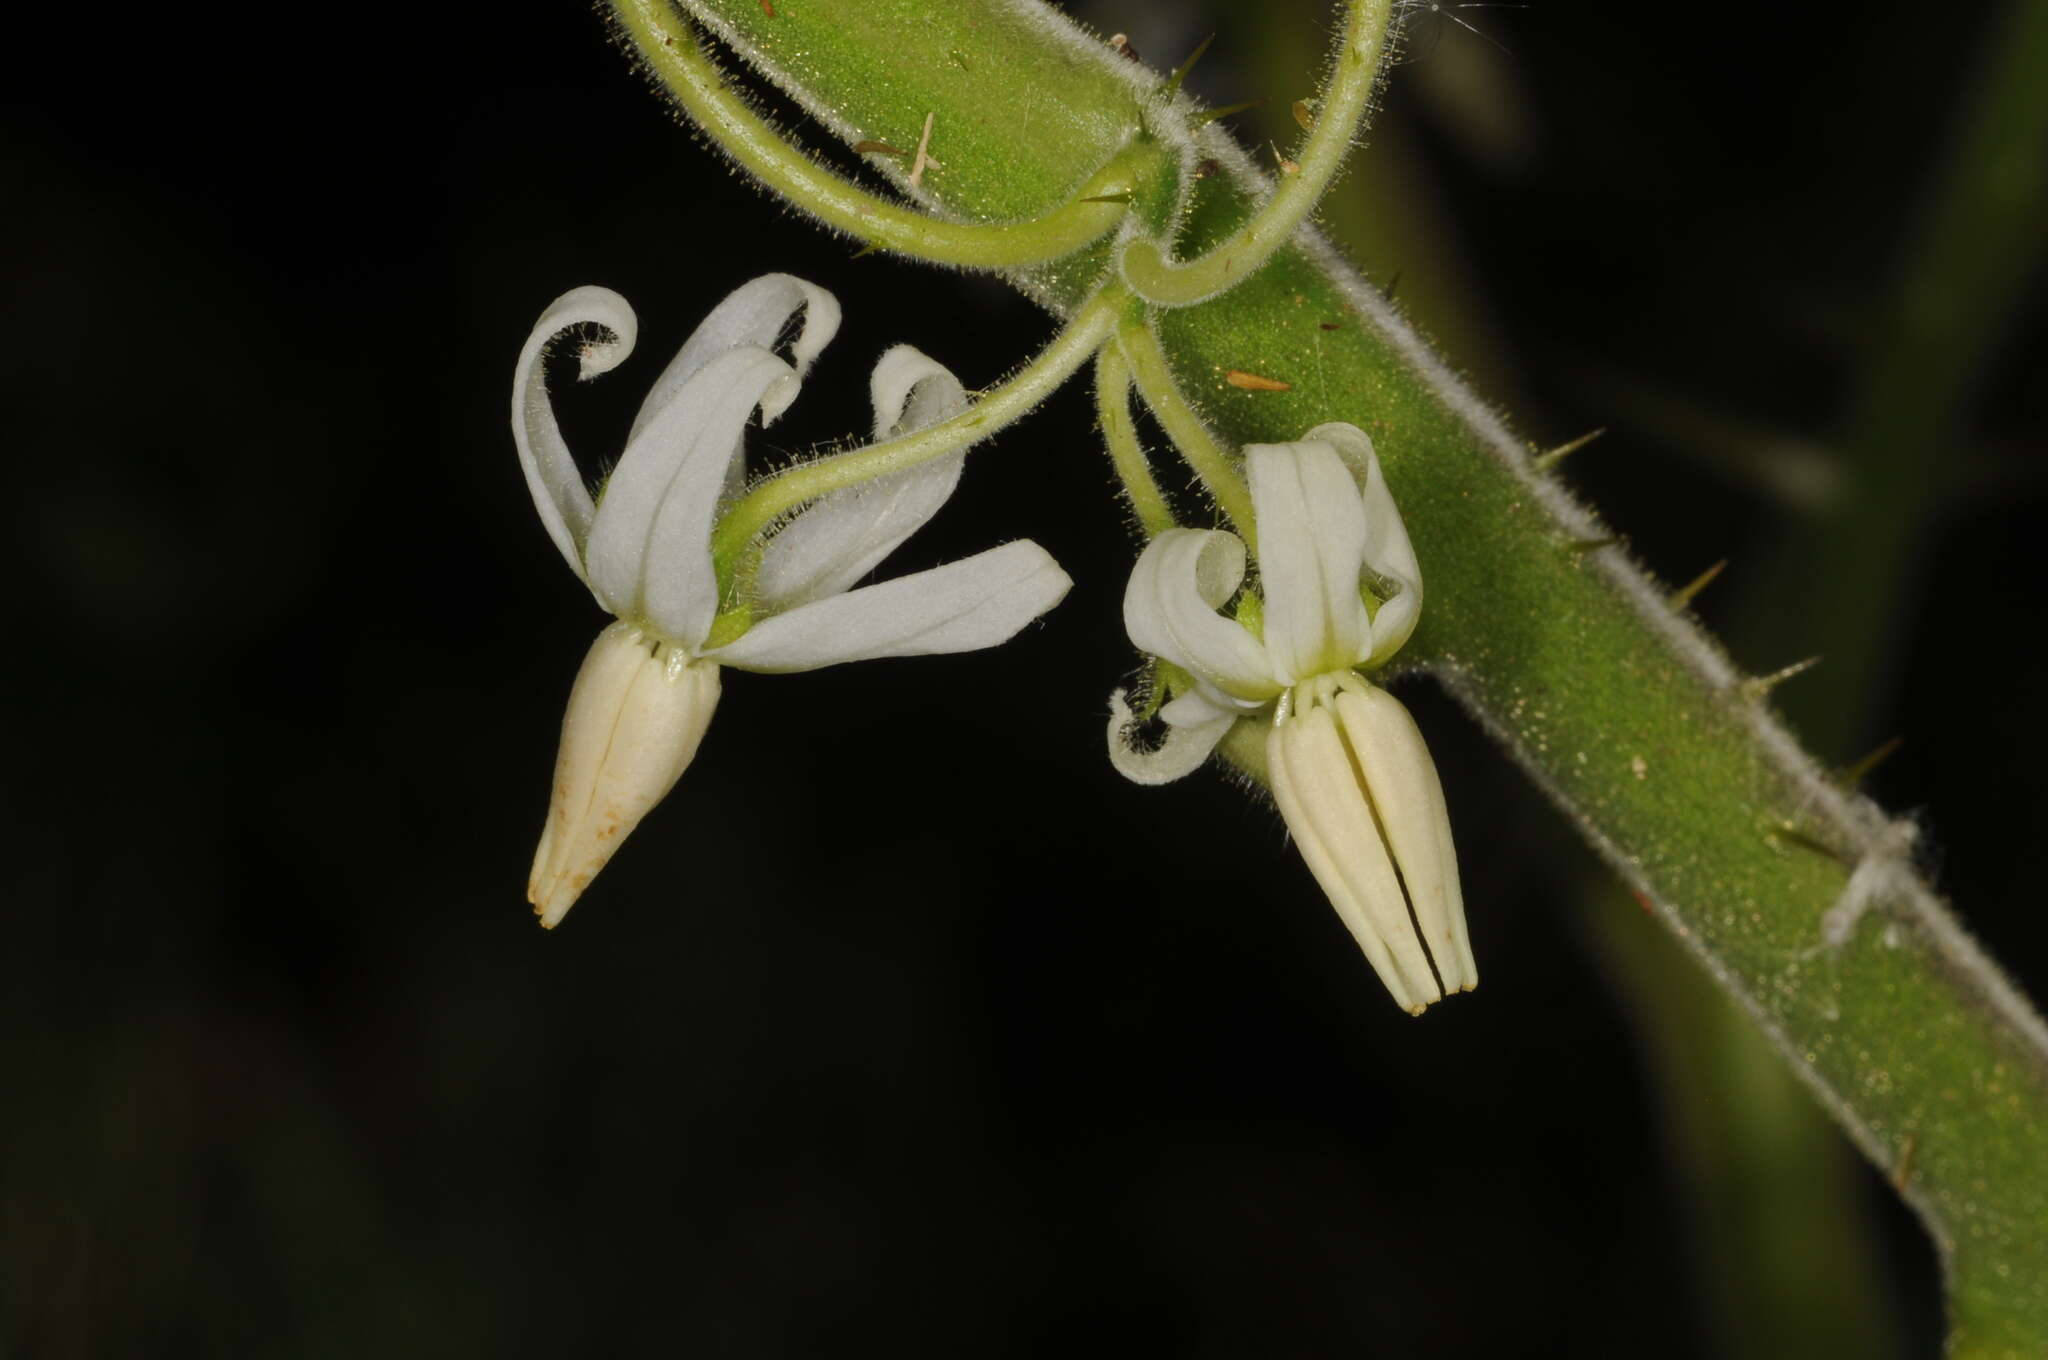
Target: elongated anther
636, 716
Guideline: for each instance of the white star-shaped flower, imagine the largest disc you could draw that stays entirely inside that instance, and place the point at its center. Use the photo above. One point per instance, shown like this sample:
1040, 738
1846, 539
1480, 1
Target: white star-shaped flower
1347, 765
647, 689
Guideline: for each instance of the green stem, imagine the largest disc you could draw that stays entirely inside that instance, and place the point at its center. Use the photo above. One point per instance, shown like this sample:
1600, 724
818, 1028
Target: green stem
1785, 1256
1153, 373
775, 496
1631, 719
668, 45
1120, 435
1346, 98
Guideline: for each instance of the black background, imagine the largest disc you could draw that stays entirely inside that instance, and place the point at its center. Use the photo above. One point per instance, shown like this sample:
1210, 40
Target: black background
904, 1026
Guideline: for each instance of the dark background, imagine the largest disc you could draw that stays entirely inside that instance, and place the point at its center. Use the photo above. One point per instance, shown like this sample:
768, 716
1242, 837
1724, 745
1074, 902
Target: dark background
905, 1026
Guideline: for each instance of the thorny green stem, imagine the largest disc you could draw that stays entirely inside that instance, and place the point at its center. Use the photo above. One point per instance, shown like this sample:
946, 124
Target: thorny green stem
776, 495
1634, 721
1788, 1262
1345, 101
669, 46
1120, 435
1153, 374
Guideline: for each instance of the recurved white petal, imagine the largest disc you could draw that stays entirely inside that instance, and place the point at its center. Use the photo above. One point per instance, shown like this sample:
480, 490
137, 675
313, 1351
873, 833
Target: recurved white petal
1179, 582
1312, 534
1409, 799
1200, 706
979, 601
551, 473
650, 544
1186, 745
754, 314
1388, 552
910, 390
1327, 814
635, 718
844, 536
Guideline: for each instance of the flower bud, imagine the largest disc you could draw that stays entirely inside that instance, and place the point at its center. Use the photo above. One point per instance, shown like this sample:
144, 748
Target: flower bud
1362, 800
637, 712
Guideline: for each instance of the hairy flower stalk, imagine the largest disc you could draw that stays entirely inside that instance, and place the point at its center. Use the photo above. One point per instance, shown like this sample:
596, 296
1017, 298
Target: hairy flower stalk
1340, 590
1345, 100
669, 48
646, 691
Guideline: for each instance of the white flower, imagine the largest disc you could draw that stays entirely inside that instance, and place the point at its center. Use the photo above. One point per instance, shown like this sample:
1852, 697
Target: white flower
647, 689
1347, 765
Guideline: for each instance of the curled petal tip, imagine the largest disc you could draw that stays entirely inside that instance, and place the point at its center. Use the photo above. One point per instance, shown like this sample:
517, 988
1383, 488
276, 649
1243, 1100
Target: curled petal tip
1186, 747
779, 397
595, 358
